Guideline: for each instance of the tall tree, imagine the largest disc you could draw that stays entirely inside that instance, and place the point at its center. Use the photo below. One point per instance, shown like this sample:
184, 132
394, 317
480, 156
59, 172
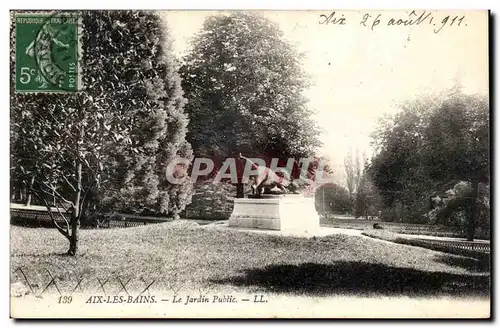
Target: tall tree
367, 200
158, 128
431, 143
457, 146
245, 88
396, 169
353, 171
94, 144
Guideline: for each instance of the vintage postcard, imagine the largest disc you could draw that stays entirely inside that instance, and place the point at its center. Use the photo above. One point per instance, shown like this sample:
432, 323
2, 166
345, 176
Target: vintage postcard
249, 164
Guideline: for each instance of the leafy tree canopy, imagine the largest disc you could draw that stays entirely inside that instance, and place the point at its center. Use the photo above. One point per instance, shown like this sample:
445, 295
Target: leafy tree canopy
245, 88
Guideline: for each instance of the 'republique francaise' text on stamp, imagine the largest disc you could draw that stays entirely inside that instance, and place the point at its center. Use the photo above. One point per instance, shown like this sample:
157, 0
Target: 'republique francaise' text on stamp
47, 52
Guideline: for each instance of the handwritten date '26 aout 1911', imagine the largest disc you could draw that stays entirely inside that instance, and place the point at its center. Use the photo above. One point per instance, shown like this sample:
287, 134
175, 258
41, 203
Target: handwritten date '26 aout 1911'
414, 18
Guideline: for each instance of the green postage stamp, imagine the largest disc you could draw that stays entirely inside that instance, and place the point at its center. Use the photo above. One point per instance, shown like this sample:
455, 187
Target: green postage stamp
47, 49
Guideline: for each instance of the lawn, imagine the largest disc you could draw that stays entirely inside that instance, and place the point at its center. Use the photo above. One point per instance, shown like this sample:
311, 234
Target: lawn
183, 254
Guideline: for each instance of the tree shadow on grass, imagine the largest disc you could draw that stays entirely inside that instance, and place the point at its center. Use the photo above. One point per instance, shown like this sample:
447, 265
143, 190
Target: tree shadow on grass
360, 279
471, 264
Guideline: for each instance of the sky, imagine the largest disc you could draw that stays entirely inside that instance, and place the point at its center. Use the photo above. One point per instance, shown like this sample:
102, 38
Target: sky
361, 72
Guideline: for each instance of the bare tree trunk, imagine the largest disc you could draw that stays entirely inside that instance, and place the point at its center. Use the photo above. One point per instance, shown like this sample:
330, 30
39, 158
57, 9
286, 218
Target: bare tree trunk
28, 201
471, 228
22, 193
75, 215
73, 239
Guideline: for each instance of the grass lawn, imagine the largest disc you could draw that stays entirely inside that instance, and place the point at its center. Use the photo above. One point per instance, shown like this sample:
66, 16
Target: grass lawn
183, 254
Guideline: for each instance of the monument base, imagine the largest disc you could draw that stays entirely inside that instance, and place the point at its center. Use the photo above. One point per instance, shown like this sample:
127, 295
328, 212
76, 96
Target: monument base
276, 212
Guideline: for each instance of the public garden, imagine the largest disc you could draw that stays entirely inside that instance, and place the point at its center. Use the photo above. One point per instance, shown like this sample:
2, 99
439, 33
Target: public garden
93, 206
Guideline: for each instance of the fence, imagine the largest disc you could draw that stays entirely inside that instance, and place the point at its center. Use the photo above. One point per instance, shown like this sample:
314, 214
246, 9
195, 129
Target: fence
201, 215
39, 216
121, 220
477, 250
466, 245
35, 215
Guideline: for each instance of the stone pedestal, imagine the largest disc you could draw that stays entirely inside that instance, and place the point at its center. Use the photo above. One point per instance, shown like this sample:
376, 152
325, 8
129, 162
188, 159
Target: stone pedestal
276, 212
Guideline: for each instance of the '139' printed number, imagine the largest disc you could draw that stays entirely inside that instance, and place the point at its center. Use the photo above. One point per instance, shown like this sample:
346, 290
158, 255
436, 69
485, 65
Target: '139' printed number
65, 299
